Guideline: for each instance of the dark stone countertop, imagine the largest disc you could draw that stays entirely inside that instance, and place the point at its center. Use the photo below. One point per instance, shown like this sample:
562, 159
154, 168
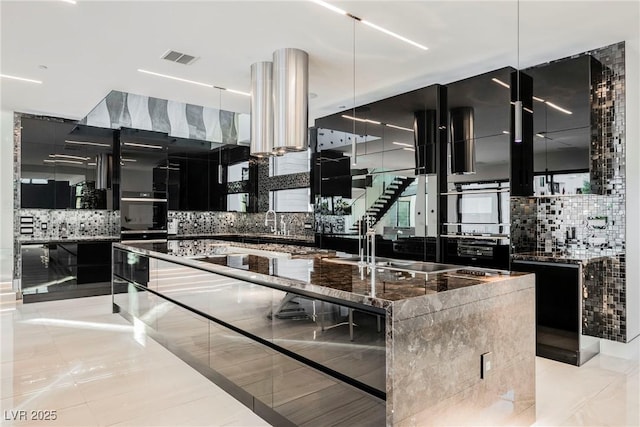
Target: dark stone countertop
319, 274
579, 256
74, 239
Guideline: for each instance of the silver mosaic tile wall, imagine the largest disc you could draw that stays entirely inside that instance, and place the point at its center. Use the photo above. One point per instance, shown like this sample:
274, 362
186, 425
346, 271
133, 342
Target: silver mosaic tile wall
70, 224
268, 183
590, 222
17, 166
200, 223
598, 220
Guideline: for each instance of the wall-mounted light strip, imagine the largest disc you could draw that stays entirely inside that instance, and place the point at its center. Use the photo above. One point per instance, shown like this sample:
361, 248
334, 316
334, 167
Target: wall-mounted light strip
501, 83
22, 79
403, 144
398, 127
128, 160
67, 156
535, 98
552, 105
136, 144
180, 79
63, 161
357, 119
368, 23
97, 144
143, 199
375, 122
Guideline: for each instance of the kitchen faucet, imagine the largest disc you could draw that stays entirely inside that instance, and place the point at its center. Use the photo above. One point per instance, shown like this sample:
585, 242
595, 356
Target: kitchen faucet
274, 227
367, 235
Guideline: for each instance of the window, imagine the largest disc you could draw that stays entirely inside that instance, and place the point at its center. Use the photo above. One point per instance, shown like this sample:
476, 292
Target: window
295, 200
238, 172
294, 162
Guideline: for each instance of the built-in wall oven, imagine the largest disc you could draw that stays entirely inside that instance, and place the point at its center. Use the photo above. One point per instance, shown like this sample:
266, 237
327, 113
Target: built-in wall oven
143, 185
143, 215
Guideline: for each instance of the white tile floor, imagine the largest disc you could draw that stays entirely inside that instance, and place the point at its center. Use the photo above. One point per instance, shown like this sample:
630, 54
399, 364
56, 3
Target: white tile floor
94, 369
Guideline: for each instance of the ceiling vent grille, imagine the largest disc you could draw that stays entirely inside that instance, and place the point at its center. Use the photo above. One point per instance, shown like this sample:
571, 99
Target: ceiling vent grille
179, 57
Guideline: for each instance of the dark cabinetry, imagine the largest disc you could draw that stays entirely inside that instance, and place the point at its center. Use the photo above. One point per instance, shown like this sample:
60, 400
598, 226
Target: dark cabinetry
65, 270
558, 312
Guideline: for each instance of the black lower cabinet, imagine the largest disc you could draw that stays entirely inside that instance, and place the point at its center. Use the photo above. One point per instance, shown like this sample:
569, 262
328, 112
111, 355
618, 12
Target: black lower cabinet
557, 309
55, 271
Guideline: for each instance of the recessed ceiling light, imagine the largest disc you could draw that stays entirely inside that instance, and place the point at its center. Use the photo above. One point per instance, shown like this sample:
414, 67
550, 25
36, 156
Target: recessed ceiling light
408, 149
180, 79
506, 132
239, 92
535, 98
128, 160
330, 7
69, 1
540, 135
392, 34
368, 23
22, 79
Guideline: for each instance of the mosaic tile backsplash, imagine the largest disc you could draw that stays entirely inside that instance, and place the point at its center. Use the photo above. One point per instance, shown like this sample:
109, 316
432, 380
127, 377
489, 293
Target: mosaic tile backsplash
55, 224
592, 222
199, 223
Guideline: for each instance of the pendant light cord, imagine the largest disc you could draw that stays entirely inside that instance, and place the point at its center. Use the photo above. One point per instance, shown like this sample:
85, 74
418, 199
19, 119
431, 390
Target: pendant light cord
355, 141
518, 46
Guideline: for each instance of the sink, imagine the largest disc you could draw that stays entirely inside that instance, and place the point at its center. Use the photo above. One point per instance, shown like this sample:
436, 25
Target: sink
400, 265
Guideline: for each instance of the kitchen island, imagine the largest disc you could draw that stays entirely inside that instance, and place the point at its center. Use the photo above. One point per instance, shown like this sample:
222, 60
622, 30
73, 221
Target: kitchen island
303, 338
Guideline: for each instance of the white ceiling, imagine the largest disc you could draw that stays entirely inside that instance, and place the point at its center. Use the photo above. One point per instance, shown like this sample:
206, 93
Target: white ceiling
93, 47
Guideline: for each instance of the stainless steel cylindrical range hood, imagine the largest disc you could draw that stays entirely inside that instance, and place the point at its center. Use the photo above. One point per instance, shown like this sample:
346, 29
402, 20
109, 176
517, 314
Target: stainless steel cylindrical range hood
261, 109
290, 100
424, 139
463, 143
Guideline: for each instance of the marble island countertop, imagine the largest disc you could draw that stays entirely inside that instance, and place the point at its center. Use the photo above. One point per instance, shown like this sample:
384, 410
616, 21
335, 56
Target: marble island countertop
320, 272
208, 247
265, 236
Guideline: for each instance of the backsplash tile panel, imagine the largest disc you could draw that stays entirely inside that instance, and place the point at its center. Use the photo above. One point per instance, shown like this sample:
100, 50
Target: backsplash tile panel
549, 224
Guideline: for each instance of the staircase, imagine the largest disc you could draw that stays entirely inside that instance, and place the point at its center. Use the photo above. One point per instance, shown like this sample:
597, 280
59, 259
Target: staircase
383, 203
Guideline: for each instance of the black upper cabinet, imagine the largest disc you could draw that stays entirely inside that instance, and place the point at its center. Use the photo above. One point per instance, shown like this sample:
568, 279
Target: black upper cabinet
479, 125
562, 112
58, 167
